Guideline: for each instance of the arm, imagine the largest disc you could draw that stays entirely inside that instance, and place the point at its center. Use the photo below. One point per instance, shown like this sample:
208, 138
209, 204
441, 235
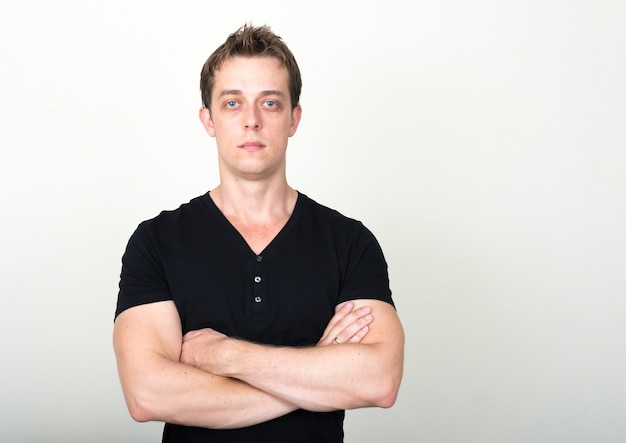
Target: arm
147, 341
321, 378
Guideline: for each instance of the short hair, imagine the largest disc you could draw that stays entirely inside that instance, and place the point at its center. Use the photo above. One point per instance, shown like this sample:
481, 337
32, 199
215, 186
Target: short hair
251, 41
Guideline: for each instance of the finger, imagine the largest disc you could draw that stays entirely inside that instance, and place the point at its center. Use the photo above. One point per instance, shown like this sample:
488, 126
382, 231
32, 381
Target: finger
344, 307
341, 311
345, 323
353, 317
196, 333
351, 323
355, 329
191, 334
356, 338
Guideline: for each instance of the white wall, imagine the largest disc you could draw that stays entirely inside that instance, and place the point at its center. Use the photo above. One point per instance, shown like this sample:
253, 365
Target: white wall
483, 143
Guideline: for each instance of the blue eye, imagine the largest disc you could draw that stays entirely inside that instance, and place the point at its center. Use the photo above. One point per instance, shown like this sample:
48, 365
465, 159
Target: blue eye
271, 104
231, 104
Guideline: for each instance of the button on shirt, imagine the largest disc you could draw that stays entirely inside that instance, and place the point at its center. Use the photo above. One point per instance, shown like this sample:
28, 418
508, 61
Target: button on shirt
285, 296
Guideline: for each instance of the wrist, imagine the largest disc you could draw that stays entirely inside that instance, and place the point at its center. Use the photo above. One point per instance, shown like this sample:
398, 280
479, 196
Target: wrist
232, 357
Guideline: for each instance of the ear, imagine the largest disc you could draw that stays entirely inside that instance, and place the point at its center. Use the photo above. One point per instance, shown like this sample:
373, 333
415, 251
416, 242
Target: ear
205, 118
296, 115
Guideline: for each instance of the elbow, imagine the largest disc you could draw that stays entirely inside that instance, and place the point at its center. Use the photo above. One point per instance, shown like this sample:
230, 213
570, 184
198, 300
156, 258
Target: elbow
388, 400
385, 388
139, 414
386, 394
140, 409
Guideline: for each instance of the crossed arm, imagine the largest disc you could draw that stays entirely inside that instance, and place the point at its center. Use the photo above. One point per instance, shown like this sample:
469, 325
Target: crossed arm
207, 379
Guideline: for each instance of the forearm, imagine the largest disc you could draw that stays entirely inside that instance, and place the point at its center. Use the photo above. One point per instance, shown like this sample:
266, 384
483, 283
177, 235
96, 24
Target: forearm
158, 387
176, 393
364, 370
321, 378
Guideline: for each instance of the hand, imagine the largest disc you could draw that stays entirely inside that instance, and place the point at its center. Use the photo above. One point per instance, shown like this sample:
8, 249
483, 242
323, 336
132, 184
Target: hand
201, 349
208, 349
348, 325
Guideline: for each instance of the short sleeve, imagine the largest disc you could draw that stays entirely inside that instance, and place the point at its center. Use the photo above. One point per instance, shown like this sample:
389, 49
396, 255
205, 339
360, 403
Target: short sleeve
142, 278
366, 271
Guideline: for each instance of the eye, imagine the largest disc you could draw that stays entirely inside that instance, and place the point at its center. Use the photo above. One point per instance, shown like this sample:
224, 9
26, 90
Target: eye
271, 104
231, 103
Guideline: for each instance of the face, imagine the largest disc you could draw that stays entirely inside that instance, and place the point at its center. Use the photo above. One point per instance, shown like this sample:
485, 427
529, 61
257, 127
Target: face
251, 117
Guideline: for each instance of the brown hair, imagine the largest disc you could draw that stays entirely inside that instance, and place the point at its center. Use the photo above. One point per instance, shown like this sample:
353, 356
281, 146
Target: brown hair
251, 41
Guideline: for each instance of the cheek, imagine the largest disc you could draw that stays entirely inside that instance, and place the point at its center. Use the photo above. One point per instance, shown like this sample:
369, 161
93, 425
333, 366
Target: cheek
222, 127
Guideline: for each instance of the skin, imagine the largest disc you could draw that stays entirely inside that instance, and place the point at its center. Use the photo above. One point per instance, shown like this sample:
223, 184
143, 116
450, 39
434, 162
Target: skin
208, 379
353, 375
158, 387
251, 119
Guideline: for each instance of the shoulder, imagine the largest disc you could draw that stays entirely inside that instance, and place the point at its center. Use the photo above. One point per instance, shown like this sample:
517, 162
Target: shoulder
193, 206
172, 226
319, 213
346, 233
344, 229
186, 214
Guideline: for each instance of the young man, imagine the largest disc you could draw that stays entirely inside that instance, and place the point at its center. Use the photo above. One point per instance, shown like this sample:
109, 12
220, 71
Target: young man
252, 313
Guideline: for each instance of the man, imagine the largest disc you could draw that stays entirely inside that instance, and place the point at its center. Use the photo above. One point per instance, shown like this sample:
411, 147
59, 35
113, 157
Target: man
252, 313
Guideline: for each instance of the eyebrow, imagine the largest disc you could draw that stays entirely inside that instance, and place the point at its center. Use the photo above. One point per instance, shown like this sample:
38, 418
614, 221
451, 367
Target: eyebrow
227, 92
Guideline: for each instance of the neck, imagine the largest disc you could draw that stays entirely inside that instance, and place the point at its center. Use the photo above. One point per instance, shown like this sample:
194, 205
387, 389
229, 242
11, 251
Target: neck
255, 202
257, 212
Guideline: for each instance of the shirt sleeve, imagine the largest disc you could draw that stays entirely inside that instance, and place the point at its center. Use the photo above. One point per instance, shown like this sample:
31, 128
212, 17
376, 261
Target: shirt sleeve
142, 278
366, 271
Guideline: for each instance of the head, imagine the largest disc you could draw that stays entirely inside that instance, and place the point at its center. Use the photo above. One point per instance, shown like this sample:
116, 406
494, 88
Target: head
251, 41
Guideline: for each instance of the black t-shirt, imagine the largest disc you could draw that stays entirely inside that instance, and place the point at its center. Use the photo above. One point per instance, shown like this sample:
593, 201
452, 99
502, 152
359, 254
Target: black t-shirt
283, 296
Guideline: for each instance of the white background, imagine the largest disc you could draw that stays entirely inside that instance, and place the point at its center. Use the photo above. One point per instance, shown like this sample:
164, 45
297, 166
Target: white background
482, 142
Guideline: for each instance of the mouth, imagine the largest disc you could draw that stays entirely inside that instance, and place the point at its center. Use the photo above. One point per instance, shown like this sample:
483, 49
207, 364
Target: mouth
252, 146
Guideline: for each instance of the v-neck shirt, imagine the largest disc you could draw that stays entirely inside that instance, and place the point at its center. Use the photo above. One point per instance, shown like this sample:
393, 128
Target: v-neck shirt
286, 295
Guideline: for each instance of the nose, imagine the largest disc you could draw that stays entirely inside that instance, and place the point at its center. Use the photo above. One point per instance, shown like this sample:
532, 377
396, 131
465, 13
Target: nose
252, 118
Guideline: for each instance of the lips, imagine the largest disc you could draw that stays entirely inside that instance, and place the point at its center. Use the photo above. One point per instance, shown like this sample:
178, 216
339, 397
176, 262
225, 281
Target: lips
252, 146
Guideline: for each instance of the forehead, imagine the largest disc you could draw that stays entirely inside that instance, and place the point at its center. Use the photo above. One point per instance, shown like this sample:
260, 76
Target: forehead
251, 74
